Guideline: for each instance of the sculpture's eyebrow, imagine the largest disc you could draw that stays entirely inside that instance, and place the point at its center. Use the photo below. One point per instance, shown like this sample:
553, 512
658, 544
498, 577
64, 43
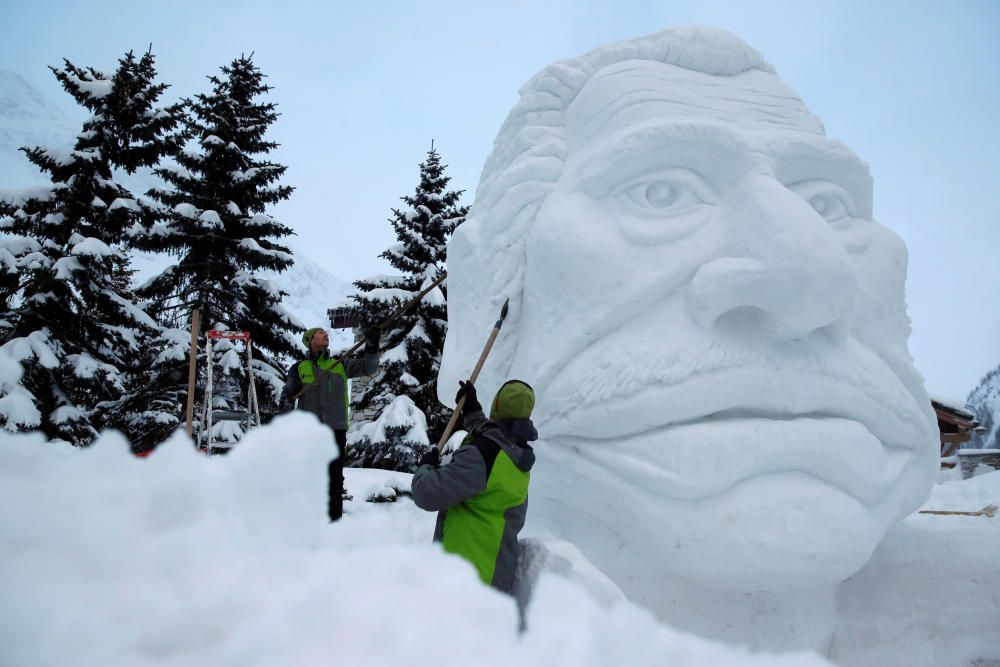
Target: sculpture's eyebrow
805, 157
714, 149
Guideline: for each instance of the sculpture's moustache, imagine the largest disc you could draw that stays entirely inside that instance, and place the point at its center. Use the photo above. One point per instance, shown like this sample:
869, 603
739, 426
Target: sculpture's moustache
619, 385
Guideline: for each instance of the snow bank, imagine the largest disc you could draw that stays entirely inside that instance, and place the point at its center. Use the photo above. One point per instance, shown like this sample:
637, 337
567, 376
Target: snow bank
969, 495
179, 559
930, 595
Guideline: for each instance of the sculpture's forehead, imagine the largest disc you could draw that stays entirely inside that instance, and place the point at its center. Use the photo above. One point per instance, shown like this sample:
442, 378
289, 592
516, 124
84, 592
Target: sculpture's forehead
638, 91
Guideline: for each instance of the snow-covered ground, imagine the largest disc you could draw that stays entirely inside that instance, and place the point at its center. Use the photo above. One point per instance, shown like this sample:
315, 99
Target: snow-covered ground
930, 595
179, 559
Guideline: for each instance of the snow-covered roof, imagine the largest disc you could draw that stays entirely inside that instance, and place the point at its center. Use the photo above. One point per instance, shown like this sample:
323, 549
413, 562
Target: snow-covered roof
959, 408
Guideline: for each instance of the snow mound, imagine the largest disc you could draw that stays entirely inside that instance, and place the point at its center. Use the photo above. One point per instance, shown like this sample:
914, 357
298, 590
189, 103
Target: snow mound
928, 597
180, 559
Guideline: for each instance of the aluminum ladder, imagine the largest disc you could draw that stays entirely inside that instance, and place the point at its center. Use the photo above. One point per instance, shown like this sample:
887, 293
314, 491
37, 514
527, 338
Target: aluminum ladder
248, 418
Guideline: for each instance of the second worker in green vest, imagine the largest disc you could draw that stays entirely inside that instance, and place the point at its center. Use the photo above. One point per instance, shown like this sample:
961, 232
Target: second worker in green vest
482, 494
319, 383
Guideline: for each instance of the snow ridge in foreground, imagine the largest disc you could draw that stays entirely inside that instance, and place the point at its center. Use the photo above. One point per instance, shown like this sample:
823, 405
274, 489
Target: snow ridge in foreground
183, 560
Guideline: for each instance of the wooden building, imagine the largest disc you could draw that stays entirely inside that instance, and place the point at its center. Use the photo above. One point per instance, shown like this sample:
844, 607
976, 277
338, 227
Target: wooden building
956, 422
342, 317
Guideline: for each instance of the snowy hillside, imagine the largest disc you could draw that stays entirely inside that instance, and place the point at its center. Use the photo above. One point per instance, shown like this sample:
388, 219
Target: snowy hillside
311, 291
27, 118
985, 400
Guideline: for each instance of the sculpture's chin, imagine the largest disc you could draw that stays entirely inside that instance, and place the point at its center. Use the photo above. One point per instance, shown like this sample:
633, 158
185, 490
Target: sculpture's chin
777, 532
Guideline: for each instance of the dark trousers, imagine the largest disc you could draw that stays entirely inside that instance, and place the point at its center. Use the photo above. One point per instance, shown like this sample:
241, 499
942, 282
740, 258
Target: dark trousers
335, 503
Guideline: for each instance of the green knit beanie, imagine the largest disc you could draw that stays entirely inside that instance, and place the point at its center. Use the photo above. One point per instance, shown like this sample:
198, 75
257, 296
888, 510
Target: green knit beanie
515, 400
308, 335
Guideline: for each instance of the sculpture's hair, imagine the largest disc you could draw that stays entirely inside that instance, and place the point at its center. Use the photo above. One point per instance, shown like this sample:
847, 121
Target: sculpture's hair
526, 161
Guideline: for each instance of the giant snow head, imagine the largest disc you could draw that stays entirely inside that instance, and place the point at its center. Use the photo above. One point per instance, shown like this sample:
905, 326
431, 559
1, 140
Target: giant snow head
714, 324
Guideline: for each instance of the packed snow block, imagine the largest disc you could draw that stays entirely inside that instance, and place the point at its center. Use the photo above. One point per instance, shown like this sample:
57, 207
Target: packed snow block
714, 325
184, 559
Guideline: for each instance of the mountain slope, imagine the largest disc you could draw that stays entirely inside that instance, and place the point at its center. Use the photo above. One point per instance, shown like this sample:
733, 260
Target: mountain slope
311, 291
985, 400
27, 118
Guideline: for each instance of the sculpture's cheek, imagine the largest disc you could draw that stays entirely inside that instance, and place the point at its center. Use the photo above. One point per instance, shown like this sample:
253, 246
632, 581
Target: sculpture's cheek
598, 244
855, 233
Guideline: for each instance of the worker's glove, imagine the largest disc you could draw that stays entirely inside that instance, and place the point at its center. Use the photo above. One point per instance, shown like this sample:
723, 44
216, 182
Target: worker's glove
372, 339
468, 390
431, 458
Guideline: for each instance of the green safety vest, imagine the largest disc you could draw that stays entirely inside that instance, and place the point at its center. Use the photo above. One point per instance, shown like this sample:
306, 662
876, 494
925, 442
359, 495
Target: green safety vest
329, 368
475, 527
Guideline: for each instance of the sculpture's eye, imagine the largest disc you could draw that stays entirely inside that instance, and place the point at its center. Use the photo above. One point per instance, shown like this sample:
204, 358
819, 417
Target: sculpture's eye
829, 206
828, 199
663, 195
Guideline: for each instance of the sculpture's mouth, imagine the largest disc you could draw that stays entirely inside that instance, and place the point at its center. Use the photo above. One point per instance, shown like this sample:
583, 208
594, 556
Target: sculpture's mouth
700, 438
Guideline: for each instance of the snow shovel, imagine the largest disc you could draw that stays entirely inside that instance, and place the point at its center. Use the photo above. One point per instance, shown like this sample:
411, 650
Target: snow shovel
475, 374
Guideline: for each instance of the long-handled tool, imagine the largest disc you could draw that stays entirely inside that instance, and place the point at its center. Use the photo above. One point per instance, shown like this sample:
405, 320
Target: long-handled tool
382, 325
989, 511
475, 374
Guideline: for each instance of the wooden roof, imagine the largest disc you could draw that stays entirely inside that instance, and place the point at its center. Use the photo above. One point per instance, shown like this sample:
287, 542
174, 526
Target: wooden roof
961, 420
343, 318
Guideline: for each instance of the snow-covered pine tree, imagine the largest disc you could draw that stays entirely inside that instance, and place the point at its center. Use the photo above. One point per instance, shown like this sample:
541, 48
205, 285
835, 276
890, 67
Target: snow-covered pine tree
70, 320
411, 351
145, 134
397, 434
9, 251
213, 220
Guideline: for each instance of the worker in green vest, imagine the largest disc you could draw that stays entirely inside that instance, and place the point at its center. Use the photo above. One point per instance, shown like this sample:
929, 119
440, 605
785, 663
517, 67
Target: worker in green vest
319, 383
481, 496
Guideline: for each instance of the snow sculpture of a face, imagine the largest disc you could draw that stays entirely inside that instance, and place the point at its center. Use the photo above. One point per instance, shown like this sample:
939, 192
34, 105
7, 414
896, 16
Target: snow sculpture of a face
714, 324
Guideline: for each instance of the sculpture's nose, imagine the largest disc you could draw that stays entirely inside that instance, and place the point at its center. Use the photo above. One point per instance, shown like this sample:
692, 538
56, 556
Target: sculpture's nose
786, 274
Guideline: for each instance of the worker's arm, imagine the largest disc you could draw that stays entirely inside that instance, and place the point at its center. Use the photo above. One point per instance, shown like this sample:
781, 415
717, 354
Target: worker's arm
367, 364
291, 390
436, 489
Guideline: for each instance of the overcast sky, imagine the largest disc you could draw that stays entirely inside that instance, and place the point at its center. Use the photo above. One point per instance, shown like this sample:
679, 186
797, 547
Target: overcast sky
912, 87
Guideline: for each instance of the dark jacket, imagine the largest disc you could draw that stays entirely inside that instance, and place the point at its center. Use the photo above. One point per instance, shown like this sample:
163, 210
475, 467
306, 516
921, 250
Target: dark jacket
482, 495
319, 382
